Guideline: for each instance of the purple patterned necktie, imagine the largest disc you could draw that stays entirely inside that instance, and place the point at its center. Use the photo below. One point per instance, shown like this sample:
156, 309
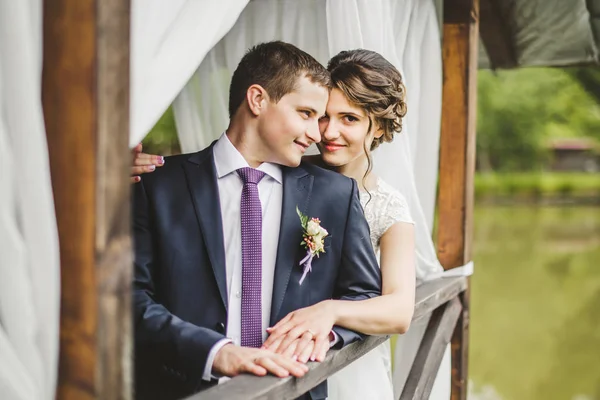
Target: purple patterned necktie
251, 213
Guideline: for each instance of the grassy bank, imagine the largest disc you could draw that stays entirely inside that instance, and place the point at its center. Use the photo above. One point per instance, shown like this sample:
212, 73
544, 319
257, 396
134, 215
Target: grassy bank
534, 186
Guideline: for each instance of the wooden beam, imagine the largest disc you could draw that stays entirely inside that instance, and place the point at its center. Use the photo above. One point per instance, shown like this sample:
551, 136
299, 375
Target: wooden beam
430, 296
496, 37
457, 162
457, 143
431, 351
85, 94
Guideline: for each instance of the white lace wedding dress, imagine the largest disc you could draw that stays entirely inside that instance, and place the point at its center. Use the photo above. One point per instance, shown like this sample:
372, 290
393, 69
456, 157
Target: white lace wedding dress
370, 377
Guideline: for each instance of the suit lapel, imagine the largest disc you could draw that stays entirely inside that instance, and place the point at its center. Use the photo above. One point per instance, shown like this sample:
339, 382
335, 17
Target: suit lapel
297, 187
202, 183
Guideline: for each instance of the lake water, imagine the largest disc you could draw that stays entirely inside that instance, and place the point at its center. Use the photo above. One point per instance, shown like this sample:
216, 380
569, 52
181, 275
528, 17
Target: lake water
535, 304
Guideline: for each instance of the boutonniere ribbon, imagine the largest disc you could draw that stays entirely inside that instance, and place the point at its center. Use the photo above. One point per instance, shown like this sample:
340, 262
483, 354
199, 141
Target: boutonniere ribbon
313, 235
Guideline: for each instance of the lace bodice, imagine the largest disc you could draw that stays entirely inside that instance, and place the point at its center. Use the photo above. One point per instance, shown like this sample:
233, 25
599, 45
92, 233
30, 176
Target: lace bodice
383, 208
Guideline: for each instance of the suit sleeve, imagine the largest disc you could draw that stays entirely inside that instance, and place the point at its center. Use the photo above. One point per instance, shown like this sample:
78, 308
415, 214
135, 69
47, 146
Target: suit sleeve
180, 345
359, 277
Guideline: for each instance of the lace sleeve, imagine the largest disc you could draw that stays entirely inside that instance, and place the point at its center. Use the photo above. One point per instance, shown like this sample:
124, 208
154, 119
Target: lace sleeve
396, 211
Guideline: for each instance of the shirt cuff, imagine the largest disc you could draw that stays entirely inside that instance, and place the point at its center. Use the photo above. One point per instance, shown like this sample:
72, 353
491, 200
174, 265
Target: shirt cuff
207, 375
335, 339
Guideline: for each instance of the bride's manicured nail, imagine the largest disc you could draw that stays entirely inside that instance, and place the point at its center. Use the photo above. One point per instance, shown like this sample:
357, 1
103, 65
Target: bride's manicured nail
312, 358
295, 357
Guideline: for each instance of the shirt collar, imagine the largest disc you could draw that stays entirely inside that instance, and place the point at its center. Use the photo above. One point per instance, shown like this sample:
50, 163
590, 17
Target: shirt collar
228, 159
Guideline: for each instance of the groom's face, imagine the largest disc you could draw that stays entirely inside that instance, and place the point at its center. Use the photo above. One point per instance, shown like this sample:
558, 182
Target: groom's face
287, 128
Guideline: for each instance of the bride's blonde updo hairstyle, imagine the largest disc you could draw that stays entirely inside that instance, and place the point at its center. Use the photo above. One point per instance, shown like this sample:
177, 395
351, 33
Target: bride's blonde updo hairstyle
371, 82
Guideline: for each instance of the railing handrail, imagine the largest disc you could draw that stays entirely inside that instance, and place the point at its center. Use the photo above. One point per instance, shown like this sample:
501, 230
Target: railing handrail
429, 296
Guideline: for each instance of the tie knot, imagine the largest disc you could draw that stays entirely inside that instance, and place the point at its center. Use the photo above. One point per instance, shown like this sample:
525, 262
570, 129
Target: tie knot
250, 175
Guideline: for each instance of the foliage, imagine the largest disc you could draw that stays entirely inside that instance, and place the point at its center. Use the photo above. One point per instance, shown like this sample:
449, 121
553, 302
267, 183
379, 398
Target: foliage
533, 184
519, 110
162, 139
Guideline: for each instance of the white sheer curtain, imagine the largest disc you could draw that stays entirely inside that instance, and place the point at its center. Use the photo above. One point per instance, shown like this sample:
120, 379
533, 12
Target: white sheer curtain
407, 34
168, 41
201, 109
29, 260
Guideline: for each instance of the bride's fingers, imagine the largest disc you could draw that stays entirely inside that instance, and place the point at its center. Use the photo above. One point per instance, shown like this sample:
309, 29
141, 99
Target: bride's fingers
273, 345
306, 341
290, 350
304, 356
320, 342
292, 335
137, 149
281, 322
323, 351
276, 333
146, 159
142, 170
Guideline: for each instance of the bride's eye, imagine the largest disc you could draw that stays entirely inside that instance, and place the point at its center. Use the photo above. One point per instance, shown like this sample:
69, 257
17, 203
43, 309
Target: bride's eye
350, 118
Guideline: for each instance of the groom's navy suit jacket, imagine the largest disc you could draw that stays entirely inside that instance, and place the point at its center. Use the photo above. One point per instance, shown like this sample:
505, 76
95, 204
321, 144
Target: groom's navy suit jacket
180, 290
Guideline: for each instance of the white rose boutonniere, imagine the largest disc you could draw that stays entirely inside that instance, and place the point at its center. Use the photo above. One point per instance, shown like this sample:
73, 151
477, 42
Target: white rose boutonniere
312, 240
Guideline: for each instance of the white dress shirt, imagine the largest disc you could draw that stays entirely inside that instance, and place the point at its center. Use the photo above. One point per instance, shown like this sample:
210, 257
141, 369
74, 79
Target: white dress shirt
270, 190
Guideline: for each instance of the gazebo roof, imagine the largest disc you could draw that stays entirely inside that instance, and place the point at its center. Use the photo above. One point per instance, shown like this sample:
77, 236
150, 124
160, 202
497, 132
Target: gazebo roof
516, 33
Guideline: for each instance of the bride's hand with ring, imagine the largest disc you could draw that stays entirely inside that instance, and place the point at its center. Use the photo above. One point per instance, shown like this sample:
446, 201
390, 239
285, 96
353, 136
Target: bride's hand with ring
301, 327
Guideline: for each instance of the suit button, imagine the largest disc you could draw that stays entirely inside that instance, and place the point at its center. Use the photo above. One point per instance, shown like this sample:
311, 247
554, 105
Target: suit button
221, 328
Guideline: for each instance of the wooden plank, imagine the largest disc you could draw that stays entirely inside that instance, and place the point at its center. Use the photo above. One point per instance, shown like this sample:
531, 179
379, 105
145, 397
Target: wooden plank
496, 36
86, 106
457, 161
431, 351
114, 259
460, 350
248, 387
429, 296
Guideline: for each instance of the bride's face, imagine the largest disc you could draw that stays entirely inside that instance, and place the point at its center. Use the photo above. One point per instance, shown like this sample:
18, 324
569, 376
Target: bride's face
344, 131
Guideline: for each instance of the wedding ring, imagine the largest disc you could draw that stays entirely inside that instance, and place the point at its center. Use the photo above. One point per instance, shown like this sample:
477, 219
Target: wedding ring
311, 332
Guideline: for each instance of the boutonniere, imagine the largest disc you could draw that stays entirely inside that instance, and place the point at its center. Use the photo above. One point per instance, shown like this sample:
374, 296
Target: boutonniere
313, 235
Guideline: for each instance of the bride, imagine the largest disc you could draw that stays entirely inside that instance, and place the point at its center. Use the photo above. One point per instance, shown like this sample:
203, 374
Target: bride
365, 110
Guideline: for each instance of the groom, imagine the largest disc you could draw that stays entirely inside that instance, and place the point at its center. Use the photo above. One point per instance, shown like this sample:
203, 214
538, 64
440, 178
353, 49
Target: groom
217, 237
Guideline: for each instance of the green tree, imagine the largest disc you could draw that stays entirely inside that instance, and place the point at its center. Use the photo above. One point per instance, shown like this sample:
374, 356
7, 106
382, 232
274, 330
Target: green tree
519, 110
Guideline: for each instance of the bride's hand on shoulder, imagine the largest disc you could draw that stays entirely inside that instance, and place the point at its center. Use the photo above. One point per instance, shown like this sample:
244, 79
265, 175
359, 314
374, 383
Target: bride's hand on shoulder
300, 327
143, 163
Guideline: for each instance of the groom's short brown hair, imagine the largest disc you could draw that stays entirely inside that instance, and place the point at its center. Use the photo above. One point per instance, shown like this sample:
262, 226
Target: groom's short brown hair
276, 66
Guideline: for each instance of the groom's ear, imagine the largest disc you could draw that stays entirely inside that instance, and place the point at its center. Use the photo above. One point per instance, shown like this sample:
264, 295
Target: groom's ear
257, 97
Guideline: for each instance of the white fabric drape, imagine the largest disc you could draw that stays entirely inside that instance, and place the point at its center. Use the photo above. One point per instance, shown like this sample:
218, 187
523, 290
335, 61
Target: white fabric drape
29, 260
168, 41
201, 109
407, 34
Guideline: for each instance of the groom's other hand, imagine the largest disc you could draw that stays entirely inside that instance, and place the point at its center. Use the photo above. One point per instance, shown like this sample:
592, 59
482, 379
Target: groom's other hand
233, 360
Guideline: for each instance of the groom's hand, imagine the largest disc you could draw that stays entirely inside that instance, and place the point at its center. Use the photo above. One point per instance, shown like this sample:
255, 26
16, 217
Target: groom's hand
233, 360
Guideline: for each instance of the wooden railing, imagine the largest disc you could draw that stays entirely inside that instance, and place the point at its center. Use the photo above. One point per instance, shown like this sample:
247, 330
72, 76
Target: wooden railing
440, 298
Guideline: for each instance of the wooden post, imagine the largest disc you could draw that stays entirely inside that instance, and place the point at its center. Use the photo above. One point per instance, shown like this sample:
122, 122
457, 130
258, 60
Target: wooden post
457, 162
85, 95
